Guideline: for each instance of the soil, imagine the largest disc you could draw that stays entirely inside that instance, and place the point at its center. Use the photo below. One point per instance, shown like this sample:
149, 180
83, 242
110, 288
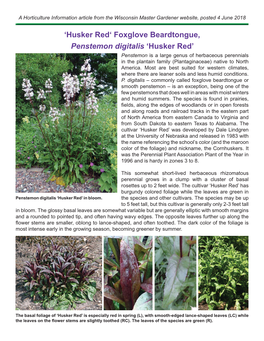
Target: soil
34, 180
25, 249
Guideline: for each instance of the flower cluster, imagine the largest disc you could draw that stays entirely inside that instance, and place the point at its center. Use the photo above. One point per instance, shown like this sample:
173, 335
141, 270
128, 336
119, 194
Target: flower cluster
25, 119
88, 82
71, 87
42, 107
54, 114
41, 94
92, 105
27, 87
86, 66
48, 85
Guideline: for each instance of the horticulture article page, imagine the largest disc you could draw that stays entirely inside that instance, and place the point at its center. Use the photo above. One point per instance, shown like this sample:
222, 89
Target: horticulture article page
136, 194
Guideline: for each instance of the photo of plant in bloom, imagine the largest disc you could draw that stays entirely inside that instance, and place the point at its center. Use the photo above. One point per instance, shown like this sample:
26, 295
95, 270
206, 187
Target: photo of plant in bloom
66, 118
60, 273
175, 273
128, 273
223, 272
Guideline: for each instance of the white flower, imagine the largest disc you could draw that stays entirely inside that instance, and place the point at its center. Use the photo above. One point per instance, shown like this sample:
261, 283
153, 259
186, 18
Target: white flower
54, 113
71, 87
86, 66
87, 80
78, 104
92, 103
75, 84
41, 94
48, 85
27, 87
42, 107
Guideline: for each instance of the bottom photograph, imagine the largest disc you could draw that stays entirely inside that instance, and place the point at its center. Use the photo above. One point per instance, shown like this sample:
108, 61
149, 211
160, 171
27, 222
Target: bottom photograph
175, 273
223, 273
59, 273
128, 273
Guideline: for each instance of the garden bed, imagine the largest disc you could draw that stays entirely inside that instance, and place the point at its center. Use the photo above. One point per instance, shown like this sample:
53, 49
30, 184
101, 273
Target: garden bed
24, 252
34, 180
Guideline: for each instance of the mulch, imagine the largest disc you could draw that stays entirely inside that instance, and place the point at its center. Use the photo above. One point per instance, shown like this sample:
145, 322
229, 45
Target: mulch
34, 180
25, 249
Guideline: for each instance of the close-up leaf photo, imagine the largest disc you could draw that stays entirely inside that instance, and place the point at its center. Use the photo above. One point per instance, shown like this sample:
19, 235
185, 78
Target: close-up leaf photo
128, 273
175, 273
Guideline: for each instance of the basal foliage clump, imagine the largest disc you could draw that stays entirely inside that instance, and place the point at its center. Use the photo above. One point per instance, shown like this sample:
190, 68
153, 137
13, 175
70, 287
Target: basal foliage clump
59, 276
73, 142
128, 273
175, 273
223, 272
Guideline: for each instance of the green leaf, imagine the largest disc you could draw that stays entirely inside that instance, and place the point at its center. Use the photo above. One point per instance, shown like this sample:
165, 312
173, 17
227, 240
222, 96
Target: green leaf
144, 302
51, 292
114, 188
110, 272
62, 162
62, 307
106, 177
52, 303
70, 297
175, 276
111, 262
91, 291
202, 297
158, 256
148, 272
104, 186
56, 165
140, 249
113, 243
113, 294
73, 285
167, 245
218, 286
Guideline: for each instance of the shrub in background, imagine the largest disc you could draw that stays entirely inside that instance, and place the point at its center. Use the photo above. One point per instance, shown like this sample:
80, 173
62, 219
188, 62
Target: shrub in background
28, 145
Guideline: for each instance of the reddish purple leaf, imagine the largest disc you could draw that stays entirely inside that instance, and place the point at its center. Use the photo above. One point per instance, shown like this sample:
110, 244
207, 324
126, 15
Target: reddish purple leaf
108, 304
46, 271
147, 287
113, 294
129, 275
